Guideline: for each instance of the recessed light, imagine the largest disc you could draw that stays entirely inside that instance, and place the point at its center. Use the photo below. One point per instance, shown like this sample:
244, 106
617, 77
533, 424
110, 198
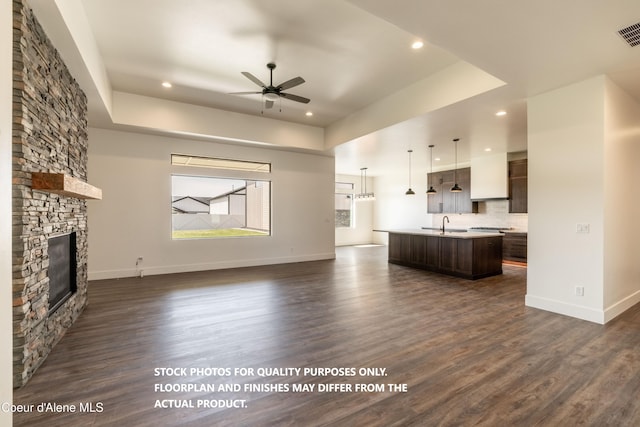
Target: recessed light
166, 84
417, 44
487, 149
437, 159
501, 113
308, 114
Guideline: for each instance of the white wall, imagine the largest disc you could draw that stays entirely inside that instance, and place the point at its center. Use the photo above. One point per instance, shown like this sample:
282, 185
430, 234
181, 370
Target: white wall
584, 147
6, 326
134, 217
187, 119
566, 187
622, 206
393, 209
362, 231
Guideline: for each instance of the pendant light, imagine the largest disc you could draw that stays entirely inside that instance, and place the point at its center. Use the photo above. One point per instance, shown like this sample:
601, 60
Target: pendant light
364, 195
410, 192
431, 190
456, 188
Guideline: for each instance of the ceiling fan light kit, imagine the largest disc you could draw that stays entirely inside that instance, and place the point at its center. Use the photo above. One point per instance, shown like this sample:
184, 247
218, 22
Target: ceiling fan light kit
273, 93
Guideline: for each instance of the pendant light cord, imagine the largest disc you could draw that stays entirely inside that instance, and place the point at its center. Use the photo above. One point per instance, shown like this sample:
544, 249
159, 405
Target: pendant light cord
410, 151
455, 170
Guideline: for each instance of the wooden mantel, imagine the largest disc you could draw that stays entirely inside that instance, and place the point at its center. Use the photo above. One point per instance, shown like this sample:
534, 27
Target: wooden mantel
65, 185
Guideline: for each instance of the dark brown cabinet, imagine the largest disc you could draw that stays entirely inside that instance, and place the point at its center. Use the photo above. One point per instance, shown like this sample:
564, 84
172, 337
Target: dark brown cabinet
433, 252
514, 247
418, 253
471, 258
448, 255
399, 247
518, 192
444, 201
424, 250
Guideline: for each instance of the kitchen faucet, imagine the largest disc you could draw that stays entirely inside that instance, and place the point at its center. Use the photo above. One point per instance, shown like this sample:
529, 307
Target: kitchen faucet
443, 218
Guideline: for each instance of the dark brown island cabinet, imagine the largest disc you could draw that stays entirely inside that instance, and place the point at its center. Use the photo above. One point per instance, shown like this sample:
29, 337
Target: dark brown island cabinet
468, 255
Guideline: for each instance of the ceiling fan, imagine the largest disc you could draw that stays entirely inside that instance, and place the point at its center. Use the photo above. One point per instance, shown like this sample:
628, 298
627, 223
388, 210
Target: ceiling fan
272, 93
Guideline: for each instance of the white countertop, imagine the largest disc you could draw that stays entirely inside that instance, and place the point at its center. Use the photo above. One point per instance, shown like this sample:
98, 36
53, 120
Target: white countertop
450, 234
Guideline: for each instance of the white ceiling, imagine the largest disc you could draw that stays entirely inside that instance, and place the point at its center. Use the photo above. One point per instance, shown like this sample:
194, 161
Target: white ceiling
348, 57
354, 53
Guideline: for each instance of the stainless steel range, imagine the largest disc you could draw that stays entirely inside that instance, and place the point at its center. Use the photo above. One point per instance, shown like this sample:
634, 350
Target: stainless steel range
489, 229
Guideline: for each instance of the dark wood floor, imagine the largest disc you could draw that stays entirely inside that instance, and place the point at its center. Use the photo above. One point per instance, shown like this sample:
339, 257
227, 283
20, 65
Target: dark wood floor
469, 352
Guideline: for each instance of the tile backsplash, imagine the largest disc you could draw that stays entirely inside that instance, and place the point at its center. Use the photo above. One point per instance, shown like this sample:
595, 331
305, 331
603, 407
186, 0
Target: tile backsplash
491, 213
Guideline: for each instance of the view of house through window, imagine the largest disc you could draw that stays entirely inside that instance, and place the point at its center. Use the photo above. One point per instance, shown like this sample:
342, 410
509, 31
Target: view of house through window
344, 204
210, 207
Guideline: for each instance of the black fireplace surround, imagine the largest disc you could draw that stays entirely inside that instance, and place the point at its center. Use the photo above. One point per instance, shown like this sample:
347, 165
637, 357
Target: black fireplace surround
62, 269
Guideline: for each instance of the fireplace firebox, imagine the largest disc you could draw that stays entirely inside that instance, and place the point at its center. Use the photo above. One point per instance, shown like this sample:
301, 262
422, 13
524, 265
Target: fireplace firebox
62, 270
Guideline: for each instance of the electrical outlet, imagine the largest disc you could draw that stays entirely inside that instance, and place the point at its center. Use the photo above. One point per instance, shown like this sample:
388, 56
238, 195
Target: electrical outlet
579, 291
583, 227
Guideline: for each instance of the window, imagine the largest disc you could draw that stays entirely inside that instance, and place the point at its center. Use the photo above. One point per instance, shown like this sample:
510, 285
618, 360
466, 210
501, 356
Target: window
344, 204
214, 206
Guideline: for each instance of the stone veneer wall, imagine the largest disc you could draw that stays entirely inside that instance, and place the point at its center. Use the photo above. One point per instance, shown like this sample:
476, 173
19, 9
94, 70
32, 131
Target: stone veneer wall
49, 135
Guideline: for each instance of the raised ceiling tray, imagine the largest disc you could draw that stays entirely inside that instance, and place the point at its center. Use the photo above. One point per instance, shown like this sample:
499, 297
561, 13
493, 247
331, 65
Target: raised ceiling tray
64, 185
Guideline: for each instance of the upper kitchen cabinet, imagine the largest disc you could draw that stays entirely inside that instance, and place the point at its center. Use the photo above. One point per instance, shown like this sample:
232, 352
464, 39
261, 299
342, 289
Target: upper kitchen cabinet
444, 201
518, 192
435, 202
447, 180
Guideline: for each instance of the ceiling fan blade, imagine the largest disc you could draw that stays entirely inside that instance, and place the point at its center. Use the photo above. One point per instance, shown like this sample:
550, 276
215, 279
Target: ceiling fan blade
243, 93
295, 98
268, 104
291, 83
253, 78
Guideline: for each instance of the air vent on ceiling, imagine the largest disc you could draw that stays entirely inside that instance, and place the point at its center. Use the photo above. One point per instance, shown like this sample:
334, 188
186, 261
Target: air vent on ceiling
631, 34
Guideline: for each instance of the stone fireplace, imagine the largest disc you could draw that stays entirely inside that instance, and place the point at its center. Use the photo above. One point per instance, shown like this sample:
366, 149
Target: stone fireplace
49, 135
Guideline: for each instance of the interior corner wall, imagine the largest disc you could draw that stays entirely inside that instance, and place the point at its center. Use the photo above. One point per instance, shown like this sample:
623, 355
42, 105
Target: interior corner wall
6, 327
566, 188
362, 230
622, 207
134, 217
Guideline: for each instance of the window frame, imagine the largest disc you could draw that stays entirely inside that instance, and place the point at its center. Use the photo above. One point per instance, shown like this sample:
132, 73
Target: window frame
349, 192
216, 173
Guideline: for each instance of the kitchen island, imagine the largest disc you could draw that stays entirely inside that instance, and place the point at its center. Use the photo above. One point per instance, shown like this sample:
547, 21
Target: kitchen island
471, 255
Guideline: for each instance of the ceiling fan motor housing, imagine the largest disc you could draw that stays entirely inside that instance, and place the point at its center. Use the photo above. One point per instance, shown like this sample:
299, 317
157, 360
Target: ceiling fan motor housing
273, 93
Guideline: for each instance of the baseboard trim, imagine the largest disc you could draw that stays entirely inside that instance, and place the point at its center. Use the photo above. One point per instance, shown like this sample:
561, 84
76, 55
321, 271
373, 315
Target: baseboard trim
185, 268
581, 312
559, 307
621, 306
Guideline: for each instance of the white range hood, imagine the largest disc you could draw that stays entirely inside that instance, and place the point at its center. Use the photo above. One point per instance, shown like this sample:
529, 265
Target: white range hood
489, 177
